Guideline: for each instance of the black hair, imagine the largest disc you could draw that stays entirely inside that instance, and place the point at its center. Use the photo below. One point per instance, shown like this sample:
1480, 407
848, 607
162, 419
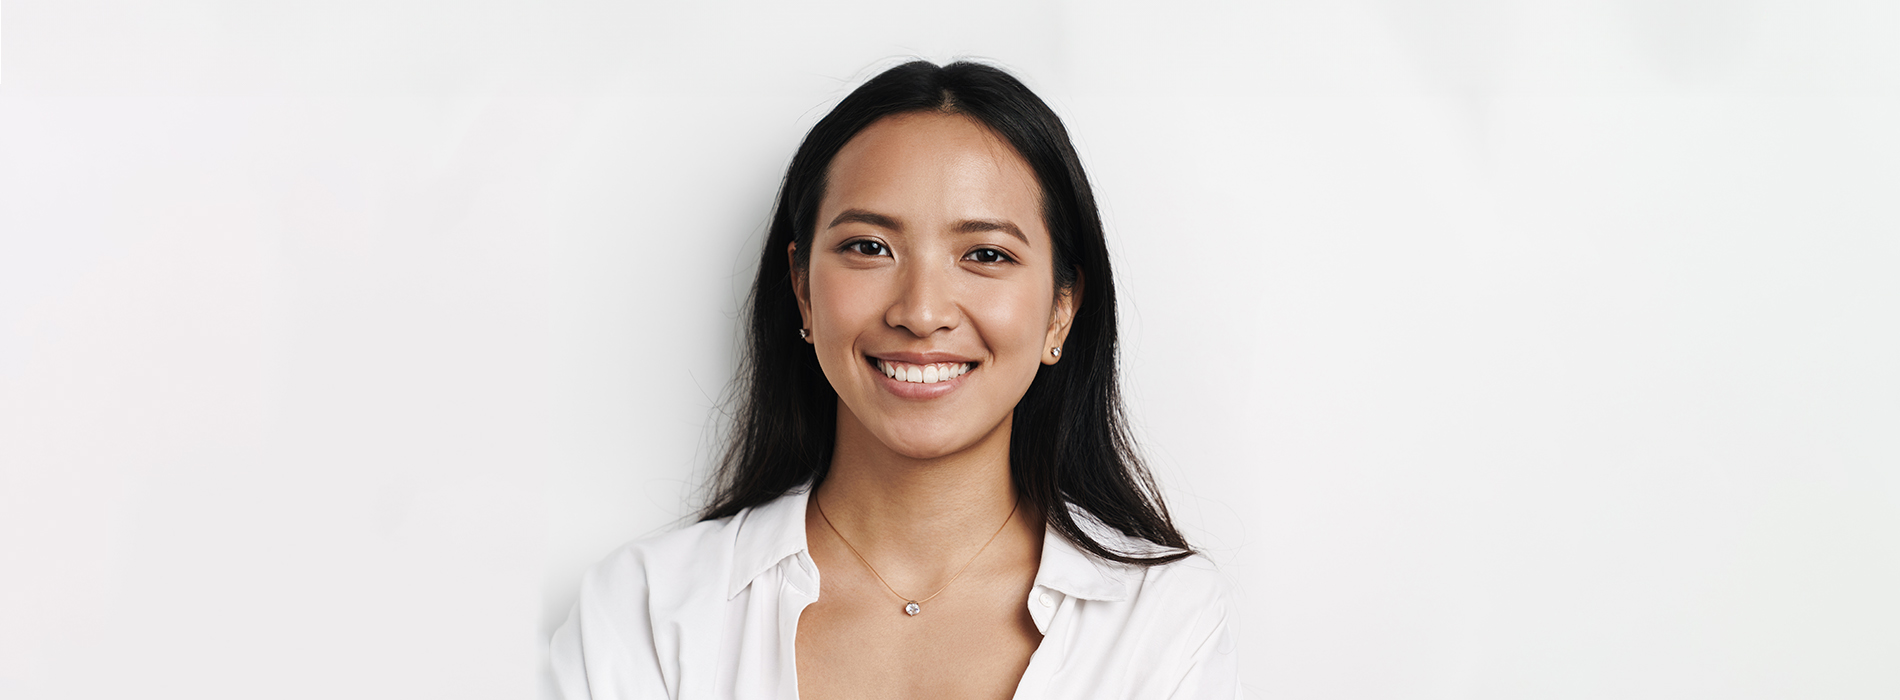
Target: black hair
1069, 443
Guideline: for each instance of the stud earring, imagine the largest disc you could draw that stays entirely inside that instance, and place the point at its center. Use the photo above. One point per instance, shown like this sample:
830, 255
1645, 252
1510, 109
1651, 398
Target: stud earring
1056, 351
804, 334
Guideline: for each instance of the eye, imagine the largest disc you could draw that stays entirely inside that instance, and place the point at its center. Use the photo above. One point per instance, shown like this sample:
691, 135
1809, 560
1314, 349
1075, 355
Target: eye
866, 246
988, 256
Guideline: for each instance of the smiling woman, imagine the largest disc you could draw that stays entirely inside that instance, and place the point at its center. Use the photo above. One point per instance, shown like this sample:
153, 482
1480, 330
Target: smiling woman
932, 369
929, 307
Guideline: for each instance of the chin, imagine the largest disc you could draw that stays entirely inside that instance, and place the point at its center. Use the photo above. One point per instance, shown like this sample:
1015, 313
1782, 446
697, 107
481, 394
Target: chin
925, 447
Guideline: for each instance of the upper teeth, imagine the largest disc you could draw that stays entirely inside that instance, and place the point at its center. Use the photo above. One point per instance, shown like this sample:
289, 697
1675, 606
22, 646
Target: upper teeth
923, 374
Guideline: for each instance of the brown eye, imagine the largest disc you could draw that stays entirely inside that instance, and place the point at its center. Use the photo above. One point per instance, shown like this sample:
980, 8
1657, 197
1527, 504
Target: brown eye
867, 247
988, 256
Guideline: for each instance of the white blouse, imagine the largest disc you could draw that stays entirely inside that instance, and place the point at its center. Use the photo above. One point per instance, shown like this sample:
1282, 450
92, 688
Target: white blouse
711, 611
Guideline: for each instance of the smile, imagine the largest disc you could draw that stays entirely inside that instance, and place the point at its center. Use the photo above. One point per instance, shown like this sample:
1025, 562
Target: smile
922, 374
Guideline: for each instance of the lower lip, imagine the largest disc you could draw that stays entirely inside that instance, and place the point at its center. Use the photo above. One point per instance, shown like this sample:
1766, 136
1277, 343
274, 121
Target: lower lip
918, 390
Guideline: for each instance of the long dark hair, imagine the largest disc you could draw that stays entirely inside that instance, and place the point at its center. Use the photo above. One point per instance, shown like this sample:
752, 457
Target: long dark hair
1069, 443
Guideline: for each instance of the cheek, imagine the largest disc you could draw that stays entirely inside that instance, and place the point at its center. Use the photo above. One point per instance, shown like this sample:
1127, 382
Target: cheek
839, 301
1014, 323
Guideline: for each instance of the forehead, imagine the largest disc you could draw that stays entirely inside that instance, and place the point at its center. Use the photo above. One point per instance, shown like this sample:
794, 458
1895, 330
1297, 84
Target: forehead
932, 165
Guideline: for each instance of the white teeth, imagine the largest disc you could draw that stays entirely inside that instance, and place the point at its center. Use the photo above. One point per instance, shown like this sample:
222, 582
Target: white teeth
922, 374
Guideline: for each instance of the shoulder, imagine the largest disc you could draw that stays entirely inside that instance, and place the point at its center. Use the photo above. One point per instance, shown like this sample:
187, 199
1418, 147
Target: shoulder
1189, 598
616, 636
1190, 595
1194, 577
1164, 630
705, 561
689, 553
1188, 607
1188, 602
628, 599
650, 608
632, 561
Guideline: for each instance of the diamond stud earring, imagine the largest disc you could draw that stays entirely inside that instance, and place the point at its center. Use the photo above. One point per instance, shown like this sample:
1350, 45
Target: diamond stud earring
1056, 351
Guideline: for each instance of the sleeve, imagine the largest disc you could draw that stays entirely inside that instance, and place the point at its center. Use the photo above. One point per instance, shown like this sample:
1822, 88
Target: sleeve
567, 667
607, 649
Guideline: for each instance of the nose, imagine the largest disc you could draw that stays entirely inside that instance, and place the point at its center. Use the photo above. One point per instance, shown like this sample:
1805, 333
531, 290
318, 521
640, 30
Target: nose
925, 302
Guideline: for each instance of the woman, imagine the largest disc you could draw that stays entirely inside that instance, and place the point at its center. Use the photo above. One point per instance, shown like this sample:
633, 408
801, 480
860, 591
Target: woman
931, 427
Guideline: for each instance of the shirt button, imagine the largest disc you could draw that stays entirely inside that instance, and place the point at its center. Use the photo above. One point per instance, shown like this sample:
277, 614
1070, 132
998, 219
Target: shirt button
1046, 601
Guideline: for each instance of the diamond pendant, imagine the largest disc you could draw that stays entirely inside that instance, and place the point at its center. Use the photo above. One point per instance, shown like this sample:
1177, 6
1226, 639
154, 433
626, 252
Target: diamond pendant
912, 608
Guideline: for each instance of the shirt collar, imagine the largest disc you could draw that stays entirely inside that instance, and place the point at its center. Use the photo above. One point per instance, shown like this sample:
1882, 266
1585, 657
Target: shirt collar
1075, 573
769, 533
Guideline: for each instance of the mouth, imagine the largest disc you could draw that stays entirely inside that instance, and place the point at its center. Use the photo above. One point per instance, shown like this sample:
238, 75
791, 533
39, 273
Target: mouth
910, 373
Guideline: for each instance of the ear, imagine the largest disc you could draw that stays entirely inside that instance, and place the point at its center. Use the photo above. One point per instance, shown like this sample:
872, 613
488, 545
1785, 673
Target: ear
1061, 319
800, 289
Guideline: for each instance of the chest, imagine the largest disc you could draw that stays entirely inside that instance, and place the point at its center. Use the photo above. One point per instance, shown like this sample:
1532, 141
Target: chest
856, 641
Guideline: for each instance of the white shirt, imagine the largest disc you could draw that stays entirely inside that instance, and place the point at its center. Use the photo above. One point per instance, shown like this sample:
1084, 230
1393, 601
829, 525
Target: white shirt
711, 611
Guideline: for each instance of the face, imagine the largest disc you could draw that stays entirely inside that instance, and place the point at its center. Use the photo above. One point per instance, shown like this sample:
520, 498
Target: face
930, 292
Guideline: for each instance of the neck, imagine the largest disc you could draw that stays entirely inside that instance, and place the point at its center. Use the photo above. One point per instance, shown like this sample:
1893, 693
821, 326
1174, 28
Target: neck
918, 517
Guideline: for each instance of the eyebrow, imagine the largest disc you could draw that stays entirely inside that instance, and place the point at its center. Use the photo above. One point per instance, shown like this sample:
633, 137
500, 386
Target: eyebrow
861, 216
981, 225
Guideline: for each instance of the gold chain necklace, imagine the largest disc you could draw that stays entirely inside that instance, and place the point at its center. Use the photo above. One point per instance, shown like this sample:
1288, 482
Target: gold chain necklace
912, 607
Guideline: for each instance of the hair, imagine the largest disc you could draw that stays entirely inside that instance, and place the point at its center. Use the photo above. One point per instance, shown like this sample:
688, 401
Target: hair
1069, 440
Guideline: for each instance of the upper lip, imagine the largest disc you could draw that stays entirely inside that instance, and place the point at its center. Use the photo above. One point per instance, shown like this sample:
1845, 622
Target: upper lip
920, 358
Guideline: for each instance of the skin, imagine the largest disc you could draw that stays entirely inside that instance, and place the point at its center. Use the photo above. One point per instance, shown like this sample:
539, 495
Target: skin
930, 246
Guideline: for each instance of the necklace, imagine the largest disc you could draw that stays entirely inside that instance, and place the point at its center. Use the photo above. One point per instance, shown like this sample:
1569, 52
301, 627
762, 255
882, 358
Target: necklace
911, 606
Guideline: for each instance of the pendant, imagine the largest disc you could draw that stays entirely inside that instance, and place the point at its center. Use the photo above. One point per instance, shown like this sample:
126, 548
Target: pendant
912, 608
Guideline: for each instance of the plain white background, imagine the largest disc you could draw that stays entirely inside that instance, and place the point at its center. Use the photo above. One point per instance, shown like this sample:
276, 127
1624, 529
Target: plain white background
1495, 349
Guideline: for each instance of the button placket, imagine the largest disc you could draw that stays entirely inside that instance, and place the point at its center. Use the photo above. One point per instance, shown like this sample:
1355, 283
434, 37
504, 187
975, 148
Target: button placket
1042, 607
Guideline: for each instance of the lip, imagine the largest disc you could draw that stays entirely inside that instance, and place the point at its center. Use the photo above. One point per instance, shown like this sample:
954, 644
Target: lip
913, 391
920, 358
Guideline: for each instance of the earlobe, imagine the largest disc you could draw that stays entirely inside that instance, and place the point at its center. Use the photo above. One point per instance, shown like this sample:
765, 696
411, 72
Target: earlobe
1067, 302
